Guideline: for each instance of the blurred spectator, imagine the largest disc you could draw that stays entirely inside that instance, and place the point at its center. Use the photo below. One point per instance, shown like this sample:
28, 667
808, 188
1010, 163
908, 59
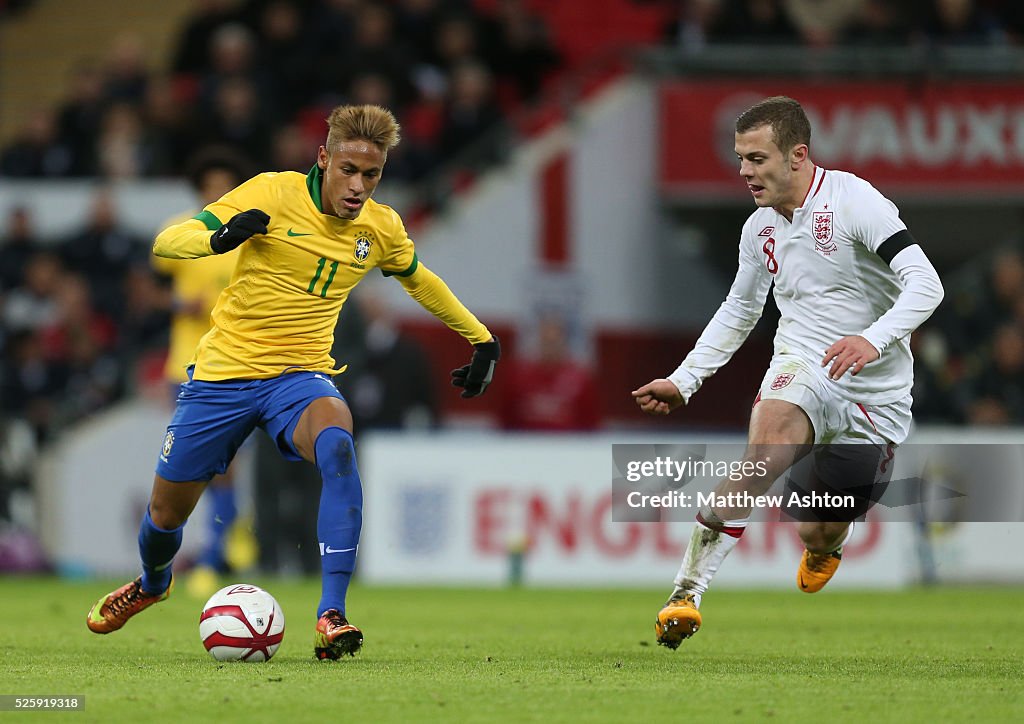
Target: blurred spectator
1012, 16
518, 47
332, 24
81, 116
960, 22
94, 379
455, 42
988, 303
285, 58
123, 150
998, 391
879, 23
388, 386
103, 252
233, 59
18, 246
940, 392
81, 341
192, 55
75, 317
31, 384
550, 390
754, 21
691, 22
822, 22
235, 120
126, 72
293, 151
416, 23
470, 111
38, 151
32, 305
373, 49
144, 321
171, 123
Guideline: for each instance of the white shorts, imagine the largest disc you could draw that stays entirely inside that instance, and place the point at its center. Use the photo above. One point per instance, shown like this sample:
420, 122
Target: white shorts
835, 419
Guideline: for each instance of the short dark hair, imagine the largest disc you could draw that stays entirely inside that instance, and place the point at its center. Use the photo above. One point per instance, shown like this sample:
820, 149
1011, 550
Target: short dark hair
213, 158
786, 117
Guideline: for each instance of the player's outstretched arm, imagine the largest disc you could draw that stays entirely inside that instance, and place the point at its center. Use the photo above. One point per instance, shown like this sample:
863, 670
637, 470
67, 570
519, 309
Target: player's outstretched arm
658, 397
192, 239
434, 295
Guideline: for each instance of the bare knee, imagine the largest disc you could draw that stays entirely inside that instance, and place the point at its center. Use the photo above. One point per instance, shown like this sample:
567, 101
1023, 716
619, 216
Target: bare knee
822, 537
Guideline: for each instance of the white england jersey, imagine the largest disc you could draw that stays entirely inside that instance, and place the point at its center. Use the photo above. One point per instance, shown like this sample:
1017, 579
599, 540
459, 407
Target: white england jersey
830, 282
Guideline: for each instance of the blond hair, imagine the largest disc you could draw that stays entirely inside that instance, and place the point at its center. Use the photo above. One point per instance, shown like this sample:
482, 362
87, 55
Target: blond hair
367, 123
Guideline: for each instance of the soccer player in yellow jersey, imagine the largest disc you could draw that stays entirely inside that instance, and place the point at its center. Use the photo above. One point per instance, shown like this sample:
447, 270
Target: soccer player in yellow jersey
196, 284
305, 241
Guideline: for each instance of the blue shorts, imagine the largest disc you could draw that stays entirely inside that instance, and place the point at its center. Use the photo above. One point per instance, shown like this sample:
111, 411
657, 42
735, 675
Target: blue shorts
213, 419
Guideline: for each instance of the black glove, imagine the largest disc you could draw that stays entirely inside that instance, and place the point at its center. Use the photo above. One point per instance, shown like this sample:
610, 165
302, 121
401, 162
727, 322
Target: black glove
475, 376
239, 228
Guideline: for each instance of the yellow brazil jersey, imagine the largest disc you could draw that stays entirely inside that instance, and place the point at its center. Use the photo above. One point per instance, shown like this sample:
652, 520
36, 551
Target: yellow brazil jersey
279, 312
196, 284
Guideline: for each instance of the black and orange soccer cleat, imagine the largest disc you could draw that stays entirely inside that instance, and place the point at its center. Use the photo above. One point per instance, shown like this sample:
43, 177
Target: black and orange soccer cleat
678, 620
335, 636
113, 610
817, 569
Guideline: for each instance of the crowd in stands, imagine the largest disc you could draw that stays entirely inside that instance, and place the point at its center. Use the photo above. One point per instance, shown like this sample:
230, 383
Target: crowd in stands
970, 355
823, 23
74, 318
262, 75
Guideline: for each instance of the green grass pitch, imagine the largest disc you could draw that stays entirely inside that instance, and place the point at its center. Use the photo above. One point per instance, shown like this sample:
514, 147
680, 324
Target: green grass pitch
534, 655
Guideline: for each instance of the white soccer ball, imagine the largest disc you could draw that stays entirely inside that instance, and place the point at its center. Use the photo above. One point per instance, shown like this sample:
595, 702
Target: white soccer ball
241, 622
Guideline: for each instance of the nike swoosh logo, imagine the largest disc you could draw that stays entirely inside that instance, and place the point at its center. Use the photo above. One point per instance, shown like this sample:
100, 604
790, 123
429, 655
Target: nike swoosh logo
296, 233
802, 584
328, 549
95, 615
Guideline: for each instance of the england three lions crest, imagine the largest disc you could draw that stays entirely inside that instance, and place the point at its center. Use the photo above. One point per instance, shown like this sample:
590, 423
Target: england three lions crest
822, 231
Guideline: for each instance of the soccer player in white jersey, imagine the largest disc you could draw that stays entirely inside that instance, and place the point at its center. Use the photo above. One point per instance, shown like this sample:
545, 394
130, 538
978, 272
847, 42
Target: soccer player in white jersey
851, 284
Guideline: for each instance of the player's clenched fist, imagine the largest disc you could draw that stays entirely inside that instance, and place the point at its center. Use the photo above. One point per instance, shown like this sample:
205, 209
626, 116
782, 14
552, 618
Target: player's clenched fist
237, 229
474, 377
659, 397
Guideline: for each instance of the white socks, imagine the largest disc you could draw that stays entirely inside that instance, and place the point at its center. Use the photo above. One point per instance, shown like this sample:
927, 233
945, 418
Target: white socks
707, 549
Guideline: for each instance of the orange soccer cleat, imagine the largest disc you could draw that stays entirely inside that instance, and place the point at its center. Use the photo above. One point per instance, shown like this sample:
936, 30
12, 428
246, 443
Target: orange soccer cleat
678, 620
817, 569
335, 636
113, 610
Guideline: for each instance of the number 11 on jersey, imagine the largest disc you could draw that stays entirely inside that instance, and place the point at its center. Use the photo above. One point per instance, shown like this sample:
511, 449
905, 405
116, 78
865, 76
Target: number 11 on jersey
316, 277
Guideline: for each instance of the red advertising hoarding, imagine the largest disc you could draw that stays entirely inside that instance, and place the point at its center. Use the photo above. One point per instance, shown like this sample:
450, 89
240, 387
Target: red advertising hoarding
947, 139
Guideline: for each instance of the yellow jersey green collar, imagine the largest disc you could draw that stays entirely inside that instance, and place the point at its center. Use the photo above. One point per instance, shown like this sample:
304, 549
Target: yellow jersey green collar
314, 179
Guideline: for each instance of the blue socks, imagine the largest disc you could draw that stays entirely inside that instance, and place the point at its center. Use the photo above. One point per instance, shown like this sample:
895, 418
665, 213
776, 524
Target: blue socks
341, 515
157, 548
222, 514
